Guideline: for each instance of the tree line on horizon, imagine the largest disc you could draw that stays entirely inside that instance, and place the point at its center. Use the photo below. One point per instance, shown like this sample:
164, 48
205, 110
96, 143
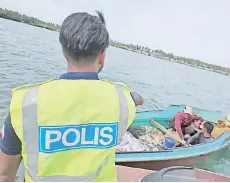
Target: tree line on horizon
170, 56
15, 16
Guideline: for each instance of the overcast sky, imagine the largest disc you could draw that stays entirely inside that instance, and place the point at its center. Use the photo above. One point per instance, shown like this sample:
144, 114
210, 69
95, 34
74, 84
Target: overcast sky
192, 28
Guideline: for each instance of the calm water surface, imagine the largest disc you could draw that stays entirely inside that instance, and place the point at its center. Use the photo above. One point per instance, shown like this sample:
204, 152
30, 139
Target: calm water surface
29, 55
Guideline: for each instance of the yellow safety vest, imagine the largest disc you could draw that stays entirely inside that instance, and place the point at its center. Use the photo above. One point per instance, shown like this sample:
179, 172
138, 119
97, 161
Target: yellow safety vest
69, 128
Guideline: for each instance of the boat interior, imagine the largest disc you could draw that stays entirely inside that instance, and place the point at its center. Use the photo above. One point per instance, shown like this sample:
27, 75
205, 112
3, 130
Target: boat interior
154, 136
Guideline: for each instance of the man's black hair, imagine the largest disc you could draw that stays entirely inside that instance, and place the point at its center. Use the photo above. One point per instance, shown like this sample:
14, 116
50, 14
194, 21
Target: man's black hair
208, 126
83, 37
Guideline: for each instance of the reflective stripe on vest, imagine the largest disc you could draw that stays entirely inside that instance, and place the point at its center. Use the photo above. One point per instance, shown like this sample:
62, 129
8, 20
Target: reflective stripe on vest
30, 136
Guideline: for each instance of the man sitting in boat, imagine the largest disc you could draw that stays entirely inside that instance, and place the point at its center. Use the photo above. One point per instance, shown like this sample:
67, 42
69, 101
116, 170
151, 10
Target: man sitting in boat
203, 135
183, 120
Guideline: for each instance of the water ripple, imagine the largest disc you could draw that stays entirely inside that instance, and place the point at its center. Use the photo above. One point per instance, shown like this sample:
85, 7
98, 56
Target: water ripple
30, 55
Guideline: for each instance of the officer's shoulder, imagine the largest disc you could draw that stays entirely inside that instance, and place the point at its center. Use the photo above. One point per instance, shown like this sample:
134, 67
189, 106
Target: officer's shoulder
117, 84
32, 85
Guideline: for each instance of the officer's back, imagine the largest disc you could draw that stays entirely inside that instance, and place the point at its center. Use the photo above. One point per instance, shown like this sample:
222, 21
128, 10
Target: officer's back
66, 129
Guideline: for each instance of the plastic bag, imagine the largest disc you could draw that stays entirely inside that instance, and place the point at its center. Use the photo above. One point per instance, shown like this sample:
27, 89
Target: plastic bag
129, 144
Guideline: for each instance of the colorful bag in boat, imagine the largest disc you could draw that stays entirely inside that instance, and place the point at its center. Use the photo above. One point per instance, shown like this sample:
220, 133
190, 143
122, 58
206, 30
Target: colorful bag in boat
69, 128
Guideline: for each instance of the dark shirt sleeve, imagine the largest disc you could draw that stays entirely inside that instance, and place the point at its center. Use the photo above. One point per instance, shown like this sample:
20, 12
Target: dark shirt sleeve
11, 144
194, 137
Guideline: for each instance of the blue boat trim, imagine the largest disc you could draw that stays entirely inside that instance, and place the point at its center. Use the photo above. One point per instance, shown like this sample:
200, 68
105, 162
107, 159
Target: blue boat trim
163, 117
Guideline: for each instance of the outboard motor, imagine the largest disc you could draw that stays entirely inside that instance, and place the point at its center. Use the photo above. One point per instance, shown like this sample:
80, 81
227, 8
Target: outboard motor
173, 174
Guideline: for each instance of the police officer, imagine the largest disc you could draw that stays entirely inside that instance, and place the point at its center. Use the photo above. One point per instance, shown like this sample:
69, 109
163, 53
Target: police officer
67, 129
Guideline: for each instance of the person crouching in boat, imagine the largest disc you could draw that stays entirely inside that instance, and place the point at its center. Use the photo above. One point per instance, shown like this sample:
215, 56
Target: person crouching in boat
183, 120
203, 135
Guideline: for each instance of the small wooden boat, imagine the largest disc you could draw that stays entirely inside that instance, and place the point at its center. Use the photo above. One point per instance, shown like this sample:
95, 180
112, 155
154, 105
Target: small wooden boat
128, 174
180, 156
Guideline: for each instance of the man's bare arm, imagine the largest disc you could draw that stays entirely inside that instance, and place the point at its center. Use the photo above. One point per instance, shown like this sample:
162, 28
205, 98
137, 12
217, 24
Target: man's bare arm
138, 100
8, 167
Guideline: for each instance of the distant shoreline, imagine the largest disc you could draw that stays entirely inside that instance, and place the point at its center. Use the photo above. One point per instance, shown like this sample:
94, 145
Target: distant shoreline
22, 18
38, 26
17, 17
172, 58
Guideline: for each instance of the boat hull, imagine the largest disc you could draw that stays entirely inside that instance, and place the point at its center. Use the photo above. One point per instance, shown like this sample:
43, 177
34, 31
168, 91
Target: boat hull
159, 164
180, 156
